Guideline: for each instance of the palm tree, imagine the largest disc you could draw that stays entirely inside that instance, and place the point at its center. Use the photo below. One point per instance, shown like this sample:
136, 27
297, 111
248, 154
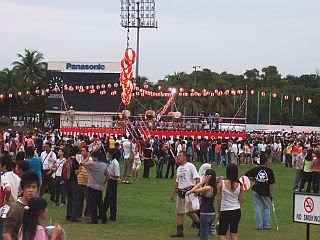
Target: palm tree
11, 84
31, 67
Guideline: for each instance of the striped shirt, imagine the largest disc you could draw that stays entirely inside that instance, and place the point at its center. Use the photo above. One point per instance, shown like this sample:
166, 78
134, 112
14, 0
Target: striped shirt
83, 176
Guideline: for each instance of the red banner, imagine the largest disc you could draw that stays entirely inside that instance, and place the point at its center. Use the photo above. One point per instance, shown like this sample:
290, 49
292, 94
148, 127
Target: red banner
160, 133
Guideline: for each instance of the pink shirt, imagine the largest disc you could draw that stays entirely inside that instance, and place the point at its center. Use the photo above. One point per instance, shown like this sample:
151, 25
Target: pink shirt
41, 233
316, 165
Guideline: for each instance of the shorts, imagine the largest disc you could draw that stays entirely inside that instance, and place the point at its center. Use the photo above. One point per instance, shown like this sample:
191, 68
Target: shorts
136, 166
229, 220
181, 207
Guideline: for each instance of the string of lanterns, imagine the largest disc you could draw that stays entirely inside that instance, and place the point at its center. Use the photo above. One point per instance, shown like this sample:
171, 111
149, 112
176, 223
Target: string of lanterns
167, 105
126, 75
205, 93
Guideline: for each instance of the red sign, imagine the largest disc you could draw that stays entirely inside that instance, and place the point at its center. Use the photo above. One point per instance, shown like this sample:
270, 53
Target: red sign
159, 133
308, 205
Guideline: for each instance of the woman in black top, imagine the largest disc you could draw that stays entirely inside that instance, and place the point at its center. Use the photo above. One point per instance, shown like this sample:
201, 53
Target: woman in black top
147, 161
207, 187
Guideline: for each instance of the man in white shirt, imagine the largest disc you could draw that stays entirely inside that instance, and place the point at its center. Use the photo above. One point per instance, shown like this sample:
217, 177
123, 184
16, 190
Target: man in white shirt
49, 159
187, 177
10, 183
128, 152
110, 199
234, 153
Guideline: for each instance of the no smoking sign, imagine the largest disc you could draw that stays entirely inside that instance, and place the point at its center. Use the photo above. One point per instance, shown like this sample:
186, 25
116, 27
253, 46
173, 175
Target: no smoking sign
308, 205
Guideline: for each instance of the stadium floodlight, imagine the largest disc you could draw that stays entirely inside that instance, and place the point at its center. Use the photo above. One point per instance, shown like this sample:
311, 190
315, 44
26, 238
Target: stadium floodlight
138, 14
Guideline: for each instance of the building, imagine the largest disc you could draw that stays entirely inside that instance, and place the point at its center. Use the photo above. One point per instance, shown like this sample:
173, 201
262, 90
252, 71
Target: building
83, 94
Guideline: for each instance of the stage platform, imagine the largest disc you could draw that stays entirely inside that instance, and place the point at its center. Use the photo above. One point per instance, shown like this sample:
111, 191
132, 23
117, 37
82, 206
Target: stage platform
160, 133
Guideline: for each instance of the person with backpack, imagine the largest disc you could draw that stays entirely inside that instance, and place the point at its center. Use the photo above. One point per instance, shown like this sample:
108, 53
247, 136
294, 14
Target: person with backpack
69, 174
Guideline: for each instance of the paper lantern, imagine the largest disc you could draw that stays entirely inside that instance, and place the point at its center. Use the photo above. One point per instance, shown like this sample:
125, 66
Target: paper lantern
309, 100
226, 92
116, 85
103, 86
181, 90
263, 94
233, 92
146, 86
298, 99
37, 91
10, 95
19, 94
98, 87
92, 91
109, 85
286, 97
159, 87
1, 96
130, 54
125, 63
252, 92
274, 95
192, 90
28, 92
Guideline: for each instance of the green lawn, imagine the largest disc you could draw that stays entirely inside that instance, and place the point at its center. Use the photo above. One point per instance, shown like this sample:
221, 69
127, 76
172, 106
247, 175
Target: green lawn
145, 212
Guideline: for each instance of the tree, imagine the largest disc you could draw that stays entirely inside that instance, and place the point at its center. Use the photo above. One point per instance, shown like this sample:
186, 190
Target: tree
31, 67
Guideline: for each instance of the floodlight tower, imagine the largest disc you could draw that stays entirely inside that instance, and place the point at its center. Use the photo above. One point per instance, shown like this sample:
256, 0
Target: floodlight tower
138, 14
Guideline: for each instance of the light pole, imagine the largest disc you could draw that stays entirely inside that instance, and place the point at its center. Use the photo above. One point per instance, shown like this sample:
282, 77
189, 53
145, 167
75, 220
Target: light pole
195, 73
138, 14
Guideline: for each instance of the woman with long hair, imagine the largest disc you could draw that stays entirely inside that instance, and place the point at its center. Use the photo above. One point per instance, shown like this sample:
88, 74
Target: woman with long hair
207, 188
229, 197
31, 228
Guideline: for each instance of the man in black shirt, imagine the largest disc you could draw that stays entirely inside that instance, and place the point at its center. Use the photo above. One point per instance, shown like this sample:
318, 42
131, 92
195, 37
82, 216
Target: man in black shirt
263, 178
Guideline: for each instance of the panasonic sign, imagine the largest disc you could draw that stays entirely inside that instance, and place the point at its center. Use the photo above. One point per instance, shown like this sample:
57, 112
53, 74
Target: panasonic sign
72, 66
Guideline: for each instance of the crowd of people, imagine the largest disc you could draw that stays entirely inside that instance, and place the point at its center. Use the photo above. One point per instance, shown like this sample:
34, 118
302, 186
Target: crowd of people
74, 169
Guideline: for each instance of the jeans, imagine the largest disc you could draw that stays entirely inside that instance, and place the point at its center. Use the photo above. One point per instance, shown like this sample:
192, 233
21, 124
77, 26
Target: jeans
225, 159
315, 182
217, 157
83, 196
159, 168
298, 178
205, 225
60, 190
262, 222
95, 202
110, 199
72, 199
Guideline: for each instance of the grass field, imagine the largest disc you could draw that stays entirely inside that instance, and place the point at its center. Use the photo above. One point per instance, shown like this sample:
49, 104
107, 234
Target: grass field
145, 212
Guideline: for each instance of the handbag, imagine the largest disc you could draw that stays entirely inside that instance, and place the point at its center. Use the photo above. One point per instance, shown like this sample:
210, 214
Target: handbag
151, 163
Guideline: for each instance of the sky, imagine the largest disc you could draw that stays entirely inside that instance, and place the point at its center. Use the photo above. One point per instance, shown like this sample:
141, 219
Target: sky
222, 35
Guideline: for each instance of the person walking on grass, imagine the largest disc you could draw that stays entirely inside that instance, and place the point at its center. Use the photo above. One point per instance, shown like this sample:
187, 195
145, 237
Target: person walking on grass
136, 164
187, 178
307, 172
230, 196
207, 188
262, 195
299, 168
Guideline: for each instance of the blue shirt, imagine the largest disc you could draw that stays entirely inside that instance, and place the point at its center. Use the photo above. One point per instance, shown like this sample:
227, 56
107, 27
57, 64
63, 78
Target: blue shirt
35, 165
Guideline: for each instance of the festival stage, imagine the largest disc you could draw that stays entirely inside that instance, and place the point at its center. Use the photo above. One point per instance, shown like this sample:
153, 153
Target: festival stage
160, 133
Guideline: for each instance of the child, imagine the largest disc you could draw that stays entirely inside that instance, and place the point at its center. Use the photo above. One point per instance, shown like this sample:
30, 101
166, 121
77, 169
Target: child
29, 185
136, 165
31, 228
